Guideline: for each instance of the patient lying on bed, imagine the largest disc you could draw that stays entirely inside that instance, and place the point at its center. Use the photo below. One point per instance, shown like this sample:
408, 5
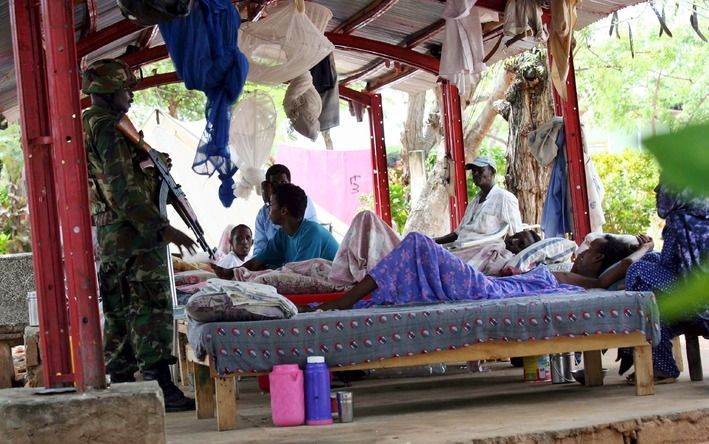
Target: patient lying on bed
419, 270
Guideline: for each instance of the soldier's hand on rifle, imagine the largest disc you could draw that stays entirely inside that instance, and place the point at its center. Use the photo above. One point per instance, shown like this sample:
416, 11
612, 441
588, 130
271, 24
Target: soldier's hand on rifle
174, 236
166, 159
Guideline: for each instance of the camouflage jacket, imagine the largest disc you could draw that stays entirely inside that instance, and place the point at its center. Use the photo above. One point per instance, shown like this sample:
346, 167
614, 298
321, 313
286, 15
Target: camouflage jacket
122, 194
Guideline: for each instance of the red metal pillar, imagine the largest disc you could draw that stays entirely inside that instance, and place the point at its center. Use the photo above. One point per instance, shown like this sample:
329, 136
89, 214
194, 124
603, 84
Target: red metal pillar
380, 176
574, 158
455, 151
69, 163
36, 144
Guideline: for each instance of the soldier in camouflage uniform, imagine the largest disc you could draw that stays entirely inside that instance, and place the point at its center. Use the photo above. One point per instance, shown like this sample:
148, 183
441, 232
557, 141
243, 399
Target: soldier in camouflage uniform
132, 239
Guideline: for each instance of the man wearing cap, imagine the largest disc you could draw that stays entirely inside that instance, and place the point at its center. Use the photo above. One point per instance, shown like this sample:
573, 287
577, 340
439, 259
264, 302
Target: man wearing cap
490, 210
132, 238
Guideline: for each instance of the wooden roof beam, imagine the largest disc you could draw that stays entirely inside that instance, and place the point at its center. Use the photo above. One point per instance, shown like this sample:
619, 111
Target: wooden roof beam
365, 16
396, 76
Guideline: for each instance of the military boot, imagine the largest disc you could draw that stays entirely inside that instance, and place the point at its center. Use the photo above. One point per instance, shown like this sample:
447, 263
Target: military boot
175, 400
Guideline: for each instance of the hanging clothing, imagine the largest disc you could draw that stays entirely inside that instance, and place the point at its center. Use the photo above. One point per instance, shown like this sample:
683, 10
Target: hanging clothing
563, 21
419, 270
482, 219
543, 141
325, 82
594, 190
463, 53
557, 219
203, 48
524, 17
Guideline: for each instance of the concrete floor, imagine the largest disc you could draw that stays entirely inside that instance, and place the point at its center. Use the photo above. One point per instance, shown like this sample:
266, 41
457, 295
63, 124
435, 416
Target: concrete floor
494, 406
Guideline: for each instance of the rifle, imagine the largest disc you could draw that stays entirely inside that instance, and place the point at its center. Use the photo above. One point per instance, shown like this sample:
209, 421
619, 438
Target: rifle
169, 189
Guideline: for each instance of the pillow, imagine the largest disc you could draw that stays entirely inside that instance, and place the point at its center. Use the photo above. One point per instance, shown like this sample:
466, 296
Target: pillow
546, 251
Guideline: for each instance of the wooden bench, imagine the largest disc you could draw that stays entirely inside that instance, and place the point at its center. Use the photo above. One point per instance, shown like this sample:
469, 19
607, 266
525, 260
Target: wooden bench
215, 395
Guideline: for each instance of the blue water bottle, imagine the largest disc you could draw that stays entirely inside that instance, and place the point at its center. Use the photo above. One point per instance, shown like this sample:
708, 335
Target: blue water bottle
317, 392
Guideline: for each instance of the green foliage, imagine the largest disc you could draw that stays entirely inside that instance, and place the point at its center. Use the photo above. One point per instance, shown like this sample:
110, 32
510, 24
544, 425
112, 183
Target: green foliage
683, 156
663, 77
14, 216
180, 102
629, 178
399, 198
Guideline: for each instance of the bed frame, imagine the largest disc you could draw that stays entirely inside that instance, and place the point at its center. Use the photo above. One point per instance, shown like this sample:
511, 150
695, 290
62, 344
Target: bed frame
215, 395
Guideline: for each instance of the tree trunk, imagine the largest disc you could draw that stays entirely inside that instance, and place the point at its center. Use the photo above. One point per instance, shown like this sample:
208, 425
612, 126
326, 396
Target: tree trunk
412, 137
431, 213
530, 105
172, 106
476, 132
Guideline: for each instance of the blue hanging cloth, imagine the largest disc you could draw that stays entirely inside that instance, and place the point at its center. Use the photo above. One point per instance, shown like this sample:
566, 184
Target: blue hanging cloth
556, 218
203, 48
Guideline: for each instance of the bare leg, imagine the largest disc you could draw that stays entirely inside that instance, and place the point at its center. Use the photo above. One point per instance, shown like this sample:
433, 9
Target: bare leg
347, 300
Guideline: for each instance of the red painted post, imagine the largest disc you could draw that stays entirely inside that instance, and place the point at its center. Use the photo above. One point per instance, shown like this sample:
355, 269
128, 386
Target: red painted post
574, 158
46, 247
455, 151
72, 192
380, 174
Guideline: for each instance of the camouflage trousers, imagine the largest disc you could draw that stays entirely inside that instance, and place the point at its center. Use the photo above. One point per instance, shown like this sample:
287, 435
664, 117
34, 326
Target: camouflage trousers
137, 312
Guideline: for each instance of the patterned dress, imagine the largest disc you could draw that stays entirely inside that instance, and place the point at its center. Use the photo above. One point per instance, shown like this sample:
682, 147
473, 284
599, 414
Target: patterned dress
686, 241
419, 270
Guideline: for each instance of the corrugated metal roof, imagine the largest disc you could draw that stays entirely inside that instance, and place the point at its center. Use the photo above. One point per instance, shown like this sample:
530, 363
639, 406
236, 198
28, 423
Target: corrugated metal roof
403, 19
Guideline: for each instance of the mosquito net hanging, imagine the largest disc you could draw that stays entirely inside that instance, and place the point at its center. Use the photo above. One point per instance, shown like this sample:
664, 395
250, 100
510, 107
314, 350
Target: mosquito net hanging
253, 127
285, 44
203, 48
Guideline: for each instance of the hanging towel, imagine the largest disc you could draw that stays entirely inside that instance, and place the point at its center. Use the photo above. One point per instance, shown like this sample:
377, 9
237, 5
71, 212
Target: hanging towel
203, 48
542, 141
563, 18
463, 53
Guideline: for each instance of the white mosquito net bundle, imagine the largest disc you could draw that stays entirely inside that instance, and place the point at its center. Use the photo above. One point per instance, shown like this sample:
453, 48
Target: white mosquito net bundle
251, 134
286, 43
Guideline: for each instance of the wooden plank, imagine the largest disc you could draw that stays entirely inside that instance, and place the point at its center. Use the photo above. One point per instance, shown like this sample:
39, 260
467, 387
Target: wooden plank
7, 369
203, 391
694, 358
644, 384
592, 368
182, 363
226, 403
501, 350
677, 353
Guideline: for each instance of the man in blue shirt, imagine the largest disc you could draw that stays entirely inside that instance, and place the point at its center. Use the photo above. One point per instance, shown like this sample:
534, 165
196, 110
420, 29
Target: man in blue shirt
265, 229
297, 239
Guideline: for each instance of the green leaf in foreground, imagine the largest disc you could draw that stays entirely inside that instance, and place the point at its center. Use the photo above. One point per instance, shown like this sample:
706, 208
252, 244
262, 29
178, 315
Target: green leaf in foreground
689, 298
683, 157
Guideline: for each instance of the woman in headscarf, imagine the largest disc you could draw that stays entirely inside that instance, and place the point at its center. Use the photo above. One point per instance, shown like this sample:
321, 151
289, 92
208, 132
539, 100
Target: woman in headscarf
686, 243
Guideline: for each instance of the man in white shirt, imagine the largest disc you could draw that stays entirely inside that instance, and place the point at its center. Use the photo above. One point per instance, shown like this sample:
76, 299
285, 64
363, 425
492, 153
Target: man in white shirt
490, 210
241, 241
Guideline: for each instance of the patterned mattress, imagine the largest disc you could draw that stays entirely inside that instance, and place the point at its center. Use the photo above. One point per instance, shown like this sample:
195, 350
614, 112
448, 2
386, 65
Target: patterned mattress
360, 336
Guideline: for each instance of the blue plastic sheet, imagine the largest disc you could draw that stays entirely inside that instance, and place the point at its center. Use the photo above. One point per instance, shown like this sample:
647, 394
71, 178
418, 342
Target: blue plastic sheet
203, 48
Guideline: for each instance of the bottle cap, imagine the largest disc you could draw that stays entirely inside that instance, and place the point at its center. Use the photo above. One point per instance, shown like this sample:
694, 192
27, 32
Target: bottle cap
316, 359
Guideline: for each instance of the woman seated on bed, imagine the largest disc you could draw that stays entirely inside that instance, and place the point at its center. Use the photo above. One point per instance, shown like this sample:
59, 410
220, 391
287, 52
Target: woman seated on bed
419, 270
686, 244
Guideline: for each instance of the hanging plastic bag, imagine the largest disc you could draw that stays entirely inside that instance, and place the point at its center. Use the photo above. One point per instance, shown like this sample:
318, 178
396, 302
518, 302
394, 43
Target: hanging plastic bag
152, 12
284, 45
253, 128
302, 105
